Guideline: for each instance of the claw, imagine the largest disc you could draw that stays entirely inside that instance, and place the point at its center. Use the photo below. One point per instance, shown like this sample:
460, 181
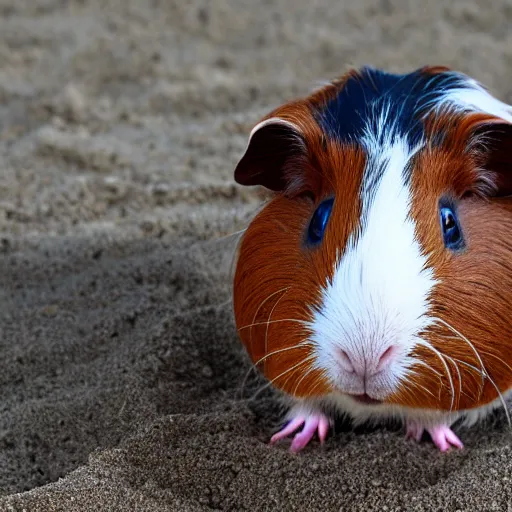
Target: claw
323, 428
444, 438
290, 428
442, 435
312, 423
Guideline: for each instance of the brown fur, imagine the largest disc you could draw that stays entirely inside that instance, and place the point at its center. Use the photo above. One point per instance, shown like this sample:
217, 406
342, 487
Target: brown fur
277, 280
474, 294
280, 279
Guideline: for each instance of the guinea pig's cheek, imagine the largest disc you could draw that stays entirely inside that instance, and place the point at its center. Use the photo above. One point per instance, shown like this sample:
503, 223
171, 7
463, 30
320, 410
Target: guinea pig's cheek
273, 288
465, 358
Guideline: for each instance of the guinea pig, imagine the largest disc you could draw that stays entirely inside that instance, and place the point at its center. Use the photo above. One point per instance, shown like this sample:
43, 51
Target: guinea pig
377, 280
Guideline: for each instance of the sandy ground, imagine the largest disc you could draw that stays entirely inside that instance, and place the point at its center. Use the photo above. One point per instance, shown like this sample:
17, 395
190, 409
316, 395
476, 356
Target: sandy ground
121, 373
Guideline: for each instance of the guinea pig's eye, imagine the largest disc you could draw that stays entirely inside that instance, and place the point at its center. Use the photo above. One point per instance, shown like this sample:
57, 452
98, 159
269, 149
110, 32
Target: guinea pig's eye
319, 221
452, 235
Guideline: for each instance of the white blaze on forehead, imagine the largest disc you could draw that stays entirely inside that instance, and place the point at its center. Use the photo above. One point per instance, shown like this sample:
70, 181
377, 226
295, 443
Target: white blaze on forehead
379, 293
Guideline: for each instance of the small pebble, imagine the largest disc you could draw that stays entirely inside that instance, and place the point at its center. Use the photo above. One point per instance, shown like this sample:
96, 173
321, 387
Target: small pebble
74, 103
207, 372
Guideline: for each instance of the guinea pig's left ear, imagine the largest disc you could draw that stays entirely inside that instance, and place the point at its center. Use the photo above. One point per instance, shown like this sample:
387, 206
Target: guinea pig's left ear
494, 145
272, 158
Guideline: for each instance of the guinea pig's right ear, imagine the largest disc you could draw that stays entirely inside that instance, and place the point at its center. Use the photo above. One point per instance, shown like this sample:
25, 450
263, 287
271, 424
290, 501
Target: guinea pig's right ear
273, 157
496, 156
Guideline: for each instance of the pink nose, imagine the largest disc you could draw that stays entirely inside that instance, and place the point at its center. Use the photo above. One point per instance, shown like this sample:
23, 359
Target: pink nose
366, 366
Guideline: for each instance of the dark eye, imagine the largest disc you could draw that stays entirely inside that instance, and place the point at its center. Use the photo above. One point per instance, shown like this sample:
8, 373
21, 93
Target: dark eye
319, 221
452, 235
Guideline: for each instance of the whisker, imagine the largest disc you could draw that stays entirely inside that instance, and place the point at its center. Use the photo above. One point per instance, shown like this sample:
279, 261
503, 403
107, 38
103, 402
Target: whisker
302, 322
302, 378
408, 392
455, 331
484, 373
458, 373
416, 384
477, 370
502, 400
304, 343
285, 289
270, 383
254, 366
473, 367
269, 317
435, 372
305, 360
229, 235
225, 237
429, 367
265, 386
317, 383
424, 389
454, 361
440, 356
498, 358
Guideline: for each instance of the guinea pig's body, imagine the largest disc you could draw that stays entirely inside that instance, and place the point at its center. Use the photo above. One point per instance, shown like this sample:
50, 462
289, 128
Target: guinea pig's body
377, 282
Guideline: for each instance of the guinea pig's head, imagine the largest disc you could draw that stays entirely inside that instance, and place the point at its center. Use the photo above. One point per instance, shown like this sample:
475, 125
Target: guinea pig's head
381, 268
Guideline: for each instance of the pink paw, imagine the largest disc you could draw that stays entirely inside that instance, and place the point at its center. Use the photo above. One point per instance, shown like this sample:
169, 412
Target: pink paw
414, 430
444, 438
442, 435
312, 423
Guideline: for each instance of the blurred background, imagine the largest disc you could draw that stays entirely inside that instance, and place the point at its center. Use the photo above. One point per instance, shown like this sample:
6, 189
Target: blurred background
121, 122
112, 108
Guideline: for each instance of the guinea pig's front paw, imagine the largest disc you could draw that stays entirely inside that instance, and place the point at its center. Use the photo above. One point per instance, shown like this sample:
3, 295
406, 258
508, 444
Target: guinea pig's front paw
311, 422
442, 435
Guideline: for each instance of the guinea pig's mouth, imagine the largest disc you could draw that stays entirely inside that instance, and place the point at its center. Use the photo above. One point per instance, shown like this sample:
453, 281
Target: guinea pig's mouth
365, 399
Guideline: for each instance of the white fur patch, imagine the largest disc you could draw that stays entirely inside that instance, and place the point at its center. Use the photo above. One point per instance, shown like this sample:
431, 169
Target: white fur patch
378, 296
474, 98
360, 413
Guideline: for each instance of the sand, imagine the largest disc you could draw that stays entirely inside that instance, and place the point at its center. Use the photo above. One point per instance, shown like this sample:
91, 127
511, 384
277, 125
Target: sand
121, 379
